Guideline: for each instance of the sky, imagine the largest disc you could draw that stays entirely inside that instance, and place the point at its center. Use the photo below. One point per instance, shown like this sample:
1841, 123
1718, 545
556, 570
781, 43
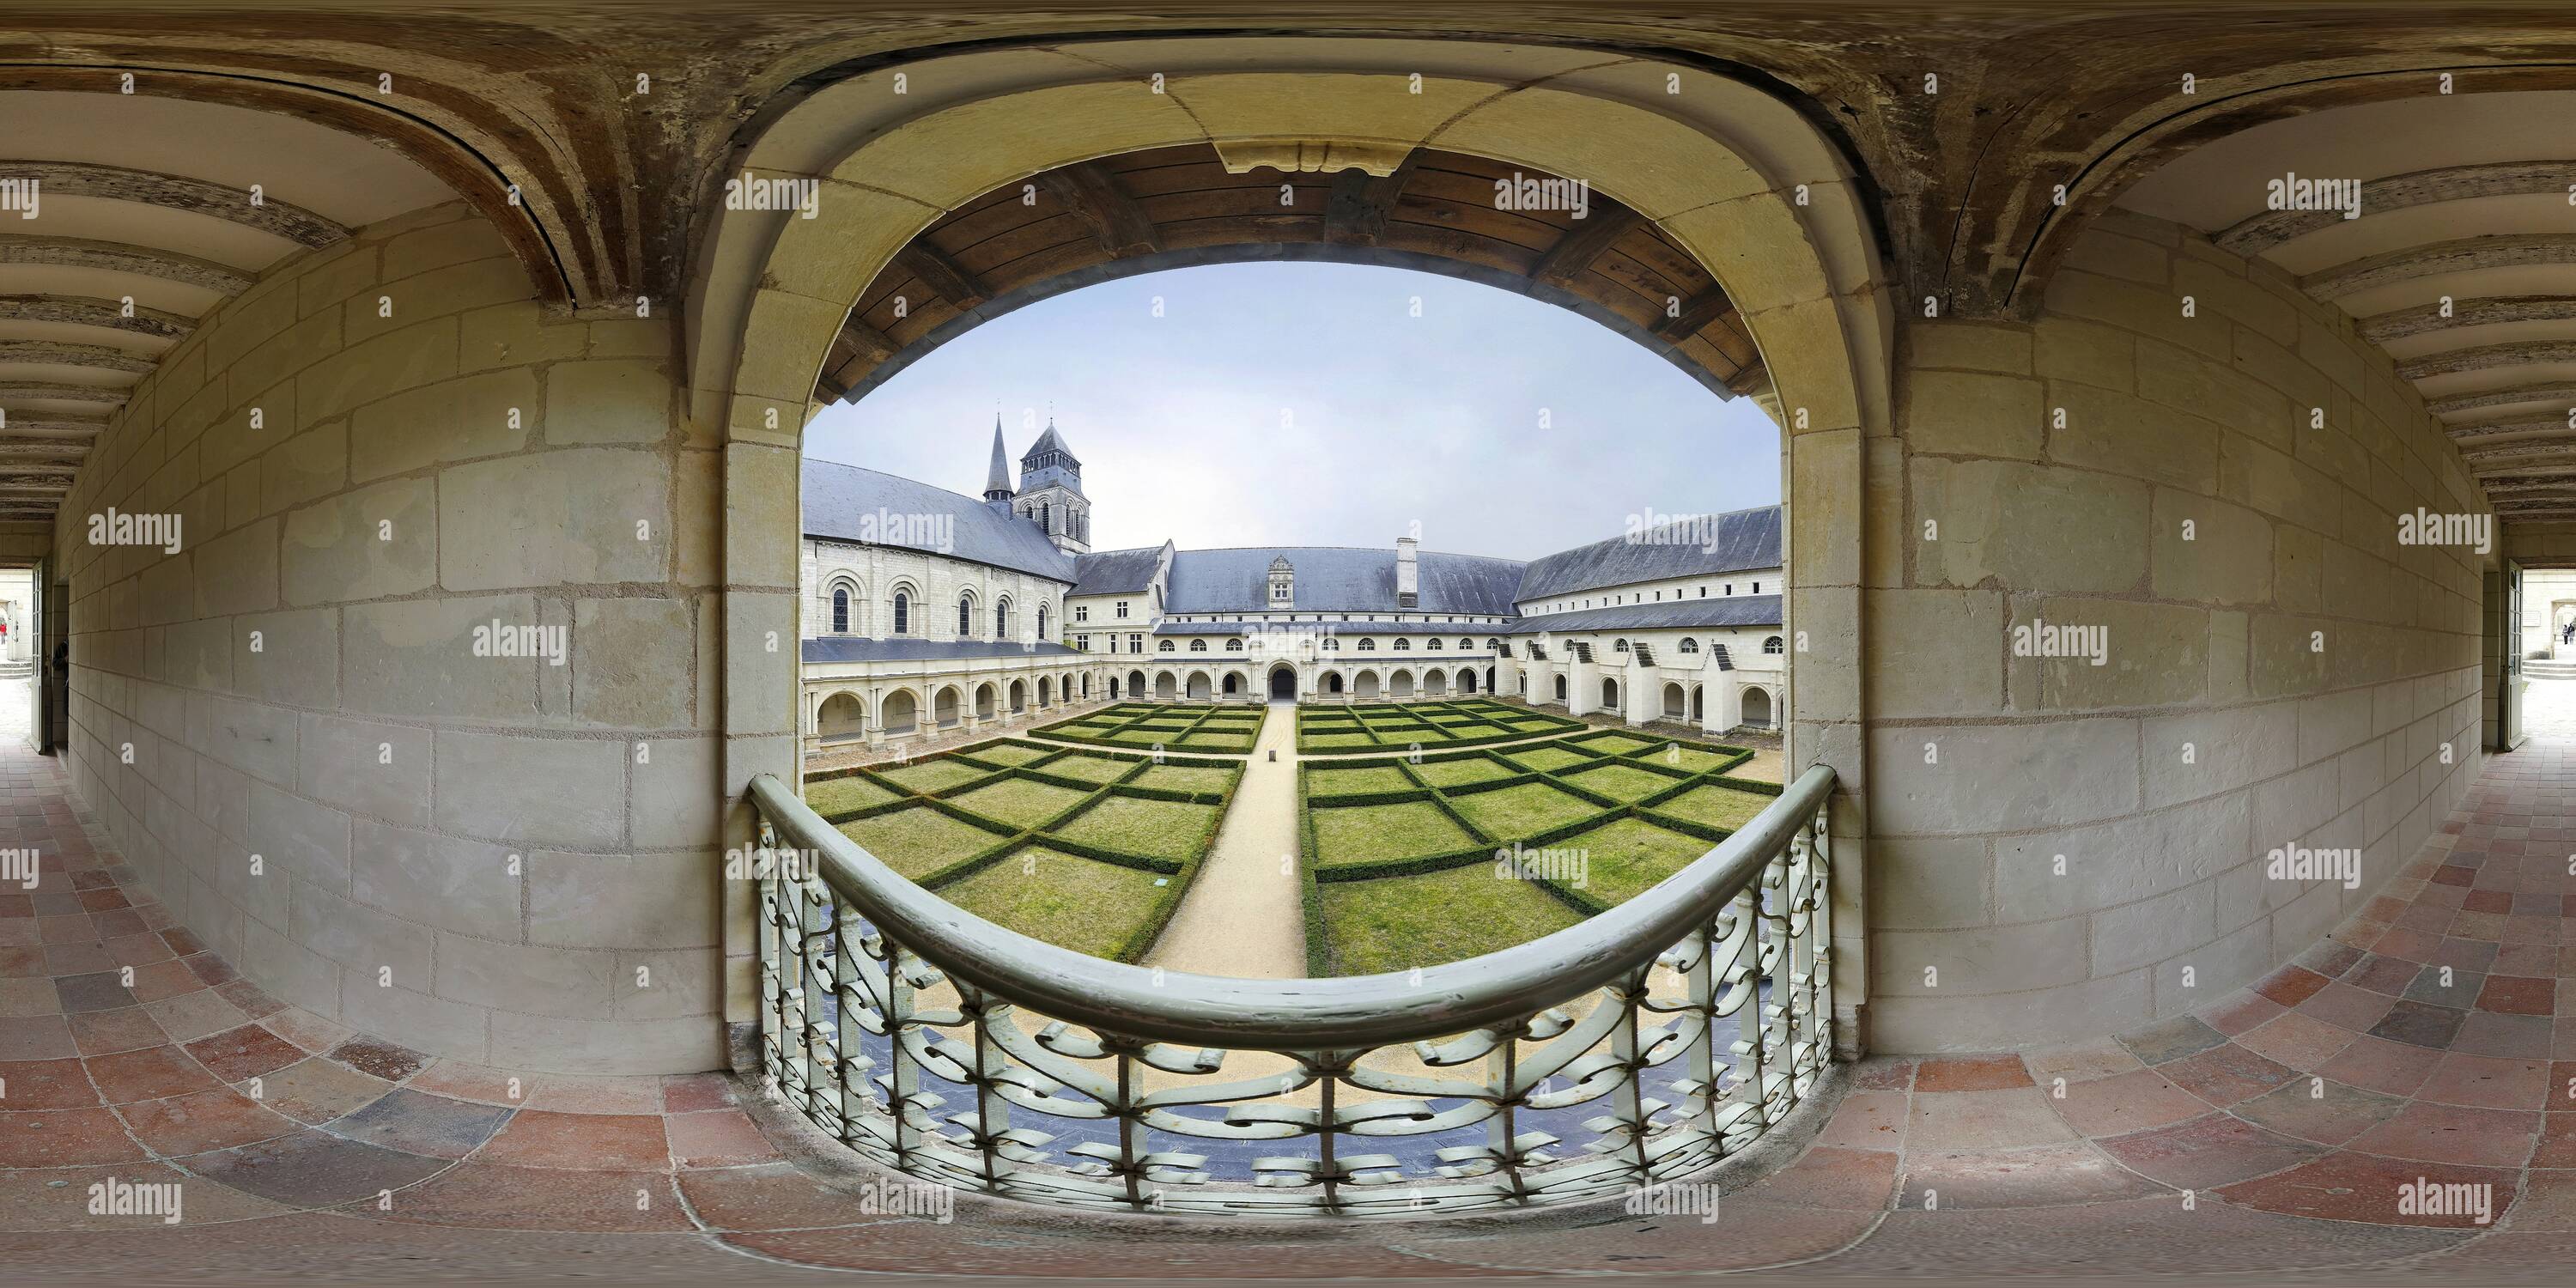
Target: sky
1308, 404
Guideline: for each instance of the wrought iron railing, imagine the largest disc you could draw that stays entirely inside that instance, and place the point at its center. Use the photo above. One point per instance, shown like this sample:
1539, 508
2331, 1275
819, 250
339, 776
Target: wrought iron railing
1633, 1048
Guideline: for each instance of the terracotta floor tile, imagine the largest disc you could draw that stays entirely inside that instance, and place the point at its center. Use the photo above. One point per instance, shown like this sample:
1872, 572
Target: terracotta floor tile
1882, 1073
2297, 1041
416, 1122
315, 1090
2172, 1039
206, 1120
2241, 1012
2325, 1112
148, 1073
2357, 1187
487, 1195
1971, 1073
108, 1032
2488, 1082
540, 1138
190, 1016
2516, 996
2515, 1036
379, 1059
2047, 1176
2223, 1075
2417, 1024
47, 1084
2290, 985
101, 991
1864, 1120
2377, 1064
2449, 1134
305, 1029
557, 1093
313, 1169
687, 1092
718, 1138
2127, 1103
63, 1138
2557, 1140
2211, 1150
459, 1080
1961, 1120
37, 1037
775, 1196
248, 1051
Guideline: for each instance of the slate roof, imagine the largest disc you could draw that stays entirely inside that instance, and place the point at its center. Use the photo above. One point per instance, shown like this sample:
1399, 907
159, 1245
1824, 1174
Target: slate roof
1716, 610
1338, 579
1112, 572
854, 648
1345, 629
1745, 540
842, 502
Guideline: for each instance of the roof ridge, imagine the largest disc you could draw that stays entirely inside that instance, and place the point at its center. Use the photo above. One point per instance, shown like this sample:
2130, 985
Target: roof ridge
900, 478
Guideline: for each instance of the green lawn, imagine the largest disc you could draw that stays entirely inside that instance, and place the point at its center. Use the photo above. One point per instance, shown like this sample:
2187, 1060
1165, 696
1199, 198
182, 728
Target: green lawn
1135, 825
1360, 834
1621, 782
829, 796
918, 840
1685, 756
1546, 757
1339, 742
1081, 904
931, 775
1090, 769
1627, 857
1019, 802
1510, 813
1399, 923
1005, 753
1344, 782
1185, 778
1718, 806
1614, 743
1451, 773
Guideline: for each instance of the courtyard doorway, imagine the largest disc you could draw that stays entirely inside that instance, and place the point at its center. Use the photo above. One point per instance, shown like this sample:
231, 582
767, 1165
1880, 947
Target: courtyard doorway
1283, 681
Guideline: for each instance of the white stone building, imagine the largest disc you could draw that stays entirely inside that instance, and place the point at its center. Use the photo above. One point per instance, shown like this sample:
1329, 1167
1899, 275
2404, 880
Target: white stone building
931, 611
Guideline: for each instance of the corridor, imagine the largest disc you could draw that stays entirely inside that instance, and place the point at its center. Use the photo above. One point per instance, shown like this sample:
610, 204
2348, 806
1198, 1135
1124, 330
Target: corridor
2424, 1041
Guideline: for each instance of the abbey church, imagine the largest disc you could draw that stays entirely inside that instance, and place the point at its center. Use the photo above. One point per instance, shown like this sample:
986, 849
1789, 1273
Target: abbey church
930, 611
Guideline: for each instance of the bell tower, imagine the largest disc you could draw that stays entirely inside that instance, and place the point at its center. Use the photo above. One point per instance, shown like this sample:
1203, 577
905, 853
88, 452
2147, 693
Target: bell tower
1050, 492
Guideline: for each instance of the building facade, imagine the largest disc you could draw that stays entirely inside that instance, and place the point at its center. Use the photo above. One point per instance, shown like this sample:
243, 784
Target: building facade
927, 611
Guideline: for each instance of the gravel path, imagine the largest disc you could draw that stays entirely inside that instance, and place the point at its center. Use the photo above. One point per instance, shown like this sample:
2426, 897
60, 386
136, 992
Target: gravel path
1242, 916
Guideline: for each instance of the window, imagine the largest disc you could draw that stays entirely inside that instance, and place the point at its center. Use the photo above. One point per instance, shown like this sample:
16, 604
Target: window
1041, 621
1164, 646
1494, 644
1082, 643
1332, 644
1703, 592
1621, 645
1689, 645
1198, 646
1082, 613
840, 611
1433, 644
1234, 645
1730, 588
1001, 619
1122, 608
1135, 643
1368, 646
1403, 645
1466, 644
1771, 645
1757, 588
965, 616
902, 613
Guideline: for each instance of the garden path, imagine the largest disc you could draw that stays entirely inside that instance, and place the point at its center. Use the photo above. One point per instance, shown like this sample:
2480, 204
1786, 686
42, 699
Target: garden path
1242, 917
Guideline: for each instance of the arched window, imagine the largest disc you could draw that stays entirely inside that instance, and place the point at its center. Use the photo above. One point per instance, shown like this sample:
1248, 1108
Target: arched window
1042, 621
1234, 645
1771, 645
1002, 619
1368, 646
1164, 646
1433, 644
1621, 645
840, 610
1466, 644
1198, 646
1403, 645
902, 613
965, 616
1332, 644
1689, 645
1496, 645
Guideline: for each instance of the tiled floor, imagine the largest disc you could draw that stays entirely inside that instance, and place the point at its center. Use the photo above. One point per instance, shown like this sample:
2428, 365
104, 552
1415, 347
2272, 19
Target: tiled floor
2270, 1134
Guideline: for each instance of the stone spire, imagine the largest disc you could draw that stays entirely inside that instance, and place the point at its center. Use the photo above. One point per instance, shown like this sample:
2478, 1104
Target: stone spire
997, 480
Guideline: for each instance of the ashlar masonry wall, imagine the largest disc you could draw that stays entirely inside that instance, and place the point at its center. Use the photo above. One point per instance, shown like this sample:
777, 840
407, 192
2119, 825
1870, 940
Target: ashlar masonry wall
304, 728
2062, 849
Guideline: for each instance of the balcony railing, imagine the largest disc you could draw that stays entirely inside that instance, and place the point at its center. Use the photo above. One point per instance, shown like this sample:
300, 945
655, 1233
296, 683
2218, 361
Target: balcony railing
1634, 1048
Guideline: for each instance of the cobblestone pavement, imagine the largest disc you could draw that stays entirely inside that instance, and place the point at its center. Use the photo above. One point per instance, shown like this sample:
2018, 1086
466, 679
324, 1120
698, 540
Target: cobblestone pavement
2277, 1133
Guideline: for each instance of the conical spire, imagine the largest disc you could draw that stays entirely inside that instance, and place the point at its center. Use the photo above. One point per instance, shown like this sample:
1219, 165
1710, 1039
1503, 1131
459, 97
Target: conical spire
997, 480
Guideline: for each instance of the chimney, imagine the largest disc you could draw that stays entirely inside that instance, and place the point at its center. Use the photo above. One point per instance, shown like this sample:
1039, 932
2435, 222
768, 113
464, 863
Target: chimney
1408, 573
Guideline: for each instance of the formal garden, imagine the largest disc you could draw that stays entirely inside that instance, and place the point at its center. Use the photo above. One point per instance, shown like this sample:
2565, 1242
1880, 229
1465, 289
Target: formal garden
1399, 854
1403, 726
1088, 849
1172, 726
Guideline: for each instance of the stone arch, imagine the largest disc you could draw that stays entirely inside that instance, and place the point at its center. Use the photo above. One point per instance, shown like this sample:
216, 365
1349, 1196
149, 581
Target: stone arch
1283, 680
1167, 687
1046, 691
1676, 704
841, 717
1086, 686
1560, 688
1609, 692
900, 713
1435, 681
943, 707
903, 608
1467, 680
1019, 696
1400, 683
984, 700
1699, 702
1333, 683
1200, 689
1364, 685
1135, 684
1233, 684
1757, 706
844, 607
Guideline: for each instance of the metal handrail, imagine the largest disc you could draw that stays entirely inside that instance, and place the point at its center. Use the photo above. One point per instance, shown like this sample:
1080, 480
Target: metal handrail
1351, 1012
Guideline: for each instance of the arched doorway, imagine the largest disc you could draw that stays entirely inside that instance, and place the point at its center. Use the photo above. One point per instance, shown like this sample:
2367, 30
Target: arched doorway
1757, 708
943, 709
841, 718
1233, 685
1199, 686
1046, 691
1135, 684
1365, 685
1283, 681
1489, 681
1699, 707
1560, 688
1333, 684
1674, 708
984, 701
1401, 684
1610, 693
1435, 682
1019, 697
1086, 686
901, 713
1167, 686
1467, 680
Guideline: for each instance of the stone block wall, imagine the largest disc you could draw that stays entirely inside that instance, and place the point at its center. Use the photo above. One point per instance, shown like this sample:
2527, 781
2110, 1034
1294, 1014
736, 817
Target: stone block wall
376, 450
2061, 850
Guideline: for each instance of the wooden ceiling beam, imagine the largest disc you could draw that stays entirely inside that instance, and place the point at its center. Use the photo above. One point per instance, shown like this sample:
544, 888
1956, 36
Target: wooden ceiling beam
1093, 195
1572, 255
942, 274
1358, 207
